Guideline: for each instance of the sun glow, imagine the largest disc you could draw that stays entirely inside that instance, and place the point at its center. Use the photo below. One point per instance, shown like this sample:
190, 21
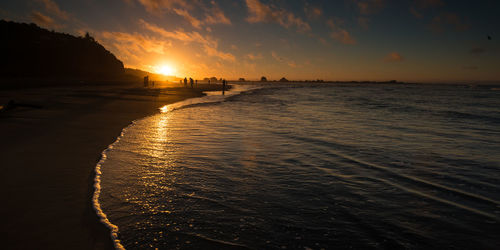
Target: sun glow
165, 69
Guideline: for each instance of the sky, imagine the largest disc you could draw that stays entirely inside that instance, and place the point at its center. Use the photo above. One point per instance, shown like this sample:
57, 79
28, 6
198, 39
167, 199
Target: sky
344, 40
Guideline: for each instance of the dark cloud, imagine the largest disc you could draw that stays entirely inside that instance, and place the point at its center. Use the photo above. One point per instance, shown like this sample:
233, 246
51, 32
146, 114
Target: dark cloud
423, 4
313, 12
394, 57
470, 67
52, 8
448, 19
477, 50
367, 7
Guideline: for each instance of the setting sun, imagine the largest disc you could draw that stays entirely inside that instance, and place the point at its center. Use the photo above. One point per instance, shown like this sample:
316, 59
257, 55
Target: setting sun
165, 69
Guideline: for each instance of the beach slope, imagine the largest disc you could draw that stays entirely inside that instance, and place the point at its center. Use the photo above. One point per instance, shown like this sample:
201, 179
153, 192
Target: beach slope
49, 149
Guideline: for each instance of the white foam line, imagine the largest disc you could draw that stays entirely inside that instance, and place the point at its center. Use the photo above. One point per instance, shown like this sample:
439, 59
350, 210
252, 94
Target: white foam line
97, 181
97, 192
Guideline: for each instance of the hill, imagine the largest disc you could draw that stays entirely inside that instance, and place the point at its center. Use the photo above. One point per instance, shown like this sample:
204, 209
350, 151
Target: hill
29, 51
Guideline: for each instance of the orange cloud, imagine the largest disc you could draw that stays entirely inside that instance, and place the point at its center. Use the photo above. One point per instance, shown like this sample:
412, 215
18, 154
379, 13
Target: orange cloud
158, 6
183, 13
393, 57
209, 44
254, 57
54, 9
343, 36
41, 19
216, 15
340, 34
213, 14
212, 51
260, 12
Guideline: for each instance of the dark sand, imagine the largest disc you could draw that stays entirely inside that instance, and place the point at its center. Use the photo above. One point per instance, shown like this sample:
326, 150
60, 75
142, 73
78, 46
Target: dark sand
48, 156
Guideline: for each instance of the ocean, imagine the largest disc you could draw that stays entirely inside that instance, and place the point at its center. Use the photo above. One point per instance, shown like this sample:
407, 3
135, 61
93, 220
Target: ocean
310, 166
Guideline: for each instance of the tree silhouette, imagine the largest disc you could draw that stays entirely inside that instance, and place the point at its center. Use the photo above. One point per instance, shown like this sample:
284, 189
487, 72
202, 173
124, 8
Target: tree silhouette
30, 51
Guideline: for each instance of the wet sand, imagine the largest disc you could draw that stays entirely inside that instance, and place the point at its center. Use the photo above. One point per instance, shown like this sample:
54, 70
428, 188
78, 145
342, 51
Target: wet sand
48, 156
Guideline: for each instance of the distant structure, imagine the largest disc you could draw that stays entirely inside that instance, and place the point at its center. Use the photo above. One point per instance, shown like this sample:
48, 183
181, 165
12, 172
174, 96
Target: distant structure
283, 79
146, 81
242, 79
213, 79
263, 79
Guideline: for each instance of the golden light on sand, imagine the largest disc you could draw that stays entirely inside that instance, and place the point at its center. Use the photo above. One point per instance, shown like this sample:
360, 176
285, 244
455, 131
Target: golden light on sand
165, 69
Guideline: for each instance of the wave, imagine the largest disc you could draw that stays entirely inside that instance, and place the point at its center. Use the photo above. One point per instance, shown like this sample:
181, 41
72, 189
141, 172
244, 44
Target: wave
210, 98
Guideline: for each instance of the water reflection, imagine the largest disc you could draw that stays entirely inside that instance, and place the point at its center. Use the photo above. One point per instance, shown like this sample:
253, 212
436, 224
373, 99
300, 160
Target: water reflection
311, 168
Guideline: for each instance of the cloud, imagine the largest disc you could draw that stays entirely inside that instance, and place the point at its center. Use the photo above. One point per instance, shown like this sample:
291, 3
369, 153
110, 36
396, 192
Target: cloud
280, 59
209, 45
340, 34
52, 16
213, 14
133, 48
192, 20
368, 7
260, 12
477, 50
158, 6
216, 15
423, 4
41, 19
470, 67
212, 51
441, 21
363, 22
52, 8
254, 57
419, 6
313, 12
394, 57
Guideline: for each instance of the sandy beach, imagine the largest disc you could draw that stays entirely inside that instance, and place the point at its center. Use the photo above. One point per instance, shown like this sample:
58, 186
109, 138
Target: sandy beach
48, 155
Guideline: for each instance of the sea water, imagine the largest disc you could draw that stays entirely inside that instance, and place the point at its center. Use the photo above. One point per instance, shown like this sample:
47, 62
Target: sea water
311, 166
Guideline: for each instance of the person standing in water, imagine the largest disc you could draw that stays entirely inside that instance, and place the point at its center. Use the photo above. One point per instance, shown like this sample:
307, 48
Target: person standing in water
191, 81
223, 86
185, 82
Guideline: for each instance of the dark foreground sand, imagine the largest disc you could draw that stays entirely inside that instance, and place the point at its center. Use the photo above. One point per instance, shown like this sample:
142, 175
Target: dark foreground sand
48, 156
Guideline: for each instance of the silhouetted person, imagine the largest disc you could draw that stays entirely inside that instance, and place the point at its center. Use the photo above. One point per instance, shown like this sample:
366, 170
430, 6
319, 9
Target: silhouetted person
146, 81
185, 82
191, 81
208, 81
196, 82
223, 86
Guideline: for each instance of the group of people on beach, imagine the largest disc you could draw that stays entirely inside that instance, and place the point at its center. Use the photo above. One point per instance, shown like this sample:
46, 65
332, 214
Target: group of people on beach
191, 81
195, 82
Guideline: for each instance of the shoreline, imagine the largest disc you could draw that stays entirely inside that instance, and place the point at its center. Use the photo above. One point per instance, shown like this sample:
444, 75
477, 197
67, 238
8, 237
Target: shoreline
50, 154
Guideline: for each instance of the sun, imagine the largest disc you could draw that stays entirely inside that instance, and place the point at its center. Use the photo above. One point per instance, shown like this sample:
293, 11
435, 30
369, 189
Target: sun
165, 69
